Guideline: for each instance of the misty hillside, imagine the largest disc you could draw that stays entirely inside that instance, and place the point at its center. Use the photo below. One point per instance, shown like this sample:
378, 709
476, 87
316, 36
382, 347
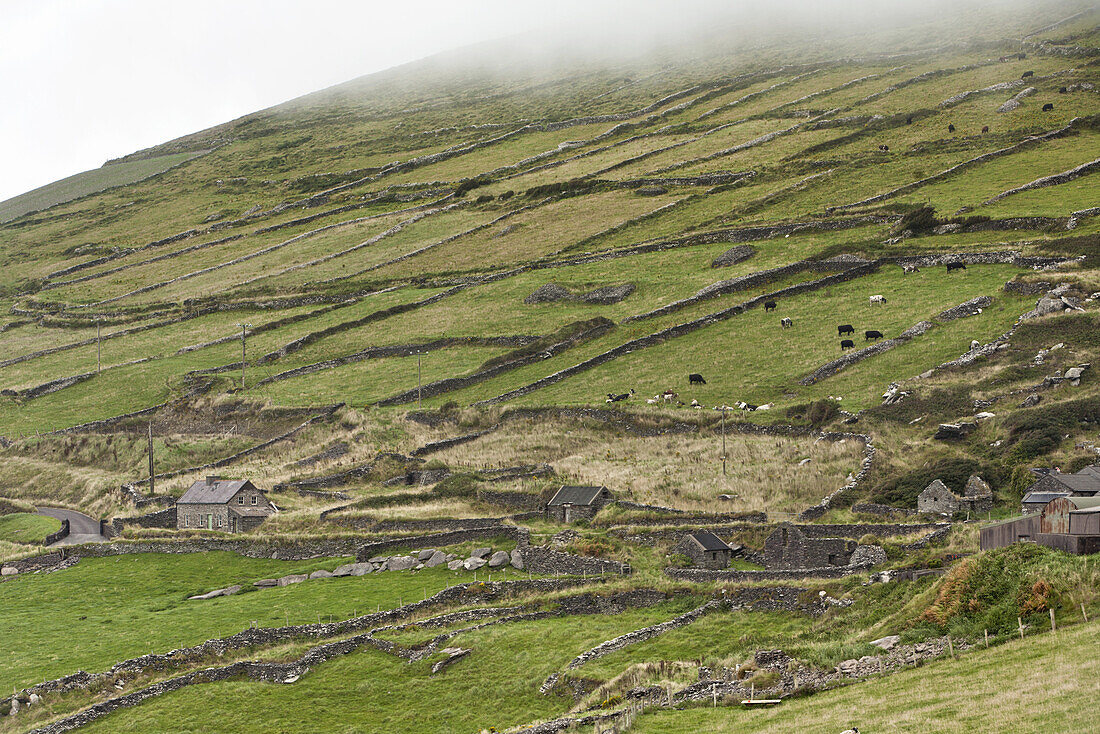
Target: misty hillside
765, 267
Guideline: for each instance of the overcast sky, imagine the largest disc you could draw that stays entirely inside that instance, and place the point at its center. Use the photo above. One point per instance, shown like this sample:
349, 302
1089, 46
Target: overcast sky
82, 81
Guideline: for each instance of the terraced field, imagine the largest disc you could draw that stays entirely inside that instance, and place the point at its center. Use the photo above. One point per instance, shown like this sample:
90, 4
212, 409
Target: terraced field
422, 301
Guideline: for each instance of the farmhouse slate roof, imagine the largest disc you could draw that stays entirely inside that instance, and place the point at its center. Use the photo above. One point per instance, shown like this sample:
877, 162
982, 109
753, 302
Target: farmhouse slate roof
218, 492
709, 541
575, 495
1033, 498
1080, 483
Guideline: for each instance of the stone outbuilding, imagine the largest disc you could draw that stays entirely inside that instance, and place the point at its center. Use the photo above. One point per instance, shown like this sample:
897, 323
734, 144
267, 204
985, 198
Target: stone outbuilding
1085, 483
705, 549
228, 505
572, 503
937, 499
789, 548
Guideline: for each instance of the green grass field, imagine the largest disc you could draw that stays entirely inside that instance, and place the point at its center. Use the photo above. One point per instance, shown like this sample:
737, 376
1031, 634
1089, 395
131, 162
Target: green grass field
21, 527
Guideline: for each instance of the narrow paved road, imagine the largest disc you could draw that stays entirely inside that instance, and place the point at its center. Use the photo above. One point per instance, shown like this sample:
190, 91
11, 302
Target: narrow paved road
82, 529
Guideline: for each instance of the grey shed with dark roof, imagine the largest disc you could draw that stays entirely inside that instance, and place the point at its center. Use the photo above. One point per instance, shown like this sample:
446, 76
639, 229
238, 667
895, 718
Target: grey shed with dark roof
705, 549
571, 502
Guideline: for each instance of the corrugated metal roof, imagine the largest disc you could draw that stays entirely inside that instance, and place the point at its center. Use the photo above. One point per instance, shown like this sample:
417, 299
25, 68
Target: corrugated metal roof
574, 495
205, 492
1084, 503
709, 541
1042, 497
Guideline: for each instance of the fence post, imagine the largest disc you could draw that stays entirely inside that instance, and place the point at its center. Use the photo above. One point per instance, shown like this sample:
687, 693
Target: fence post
1053, 627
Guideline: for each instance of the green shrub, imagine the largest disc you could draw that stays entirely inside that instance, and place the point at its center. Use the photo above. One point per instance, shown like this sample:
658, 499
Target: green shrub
902, 491
679, 560
1040, 430
457, 485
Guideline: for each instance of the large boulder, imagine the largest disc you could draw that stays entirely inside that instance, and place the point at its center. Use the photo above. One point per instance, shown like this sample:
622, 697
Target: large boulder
499, 559
229, 591
548, 294
867, 556
9, 571
401, 563
425, 554
455, 564
265, 583
344, 570
321, 574
517, 558
734, 255
362, 569
294, 578
481, 552
886, 643
435, 559
473, 564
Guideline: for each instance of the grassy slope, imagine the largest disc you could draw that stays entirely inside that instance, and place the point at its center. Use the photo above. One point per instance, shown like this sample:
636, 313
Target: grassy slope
1041, 684
21, 527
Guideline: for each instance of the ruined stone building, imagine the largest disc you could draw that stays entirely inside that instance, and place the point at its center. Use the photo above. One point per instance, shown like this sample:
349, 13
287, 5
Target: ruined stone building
572, 503
229, 505
937, 499
789, 548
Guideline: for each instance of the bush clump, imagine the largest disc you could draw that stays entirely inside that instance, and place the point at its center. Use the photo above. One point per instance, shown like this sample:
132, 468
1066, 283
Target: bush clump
902, 491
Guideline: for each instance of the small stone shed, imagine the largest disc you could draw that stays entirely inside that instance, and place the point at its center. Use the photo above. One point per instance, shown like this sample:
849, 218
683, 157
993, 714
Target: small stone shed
937, 499
229, 505
572, 503
705, 549
788, 548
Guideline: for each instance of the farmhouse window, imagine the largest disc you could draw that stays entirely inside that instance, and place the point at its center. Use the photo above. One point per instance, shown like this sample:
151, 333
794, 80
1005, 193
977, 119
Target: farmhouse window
253, 499
240, 499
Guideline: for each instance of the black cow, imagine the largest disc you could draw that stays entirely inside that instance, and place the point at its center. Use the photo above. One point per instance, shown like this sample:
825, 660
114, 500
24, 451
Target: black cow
908, 120
847, 344
845, 329
985, 128
955, 266
696, 379
1048, 107
770, 305
871, 334
1026, 74
619, 398
1062, 90
950, 128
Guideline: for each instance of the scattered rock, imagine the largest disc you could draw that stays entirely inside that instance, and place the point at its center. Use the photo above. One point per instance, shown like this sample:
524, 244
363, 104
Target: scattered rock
426, 554
294, 578
344, 570
499, 559
362, 569
734, 255
548, 293
473, 564
401, 563
608, 294
1031, 400
454, 565
517, 559
651, 191
435, 559
984, 415
886, 643
947, 431
321, 574
265, 583
9, 571
480, 552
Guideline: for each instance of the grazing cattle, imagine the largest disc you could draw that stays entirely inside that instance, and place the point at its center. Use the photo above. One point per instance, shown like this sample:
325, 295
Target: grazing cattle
619, 398
908, 120
950, 128
872, 334
845, 329
847, 344
696, 379
786, 323
747, 406
985, 128
955, 266
695, 404
1048, 107
1062, 90
669, 395
884, 148
877, 299
1026, 74
770, 305
910, 269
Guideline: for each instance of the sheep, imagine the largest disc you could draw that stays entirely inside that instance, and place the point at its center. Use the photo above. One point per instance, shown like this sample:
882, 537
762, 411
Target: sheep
786, 323
877, 299
974, 344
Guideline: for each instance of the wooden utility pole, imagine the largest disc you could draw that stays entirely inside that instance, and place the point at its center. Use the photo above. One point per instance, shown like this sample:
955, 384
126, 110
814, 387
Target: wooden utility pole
723, 439
243, 352
418, 383
98, 347
151, 470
